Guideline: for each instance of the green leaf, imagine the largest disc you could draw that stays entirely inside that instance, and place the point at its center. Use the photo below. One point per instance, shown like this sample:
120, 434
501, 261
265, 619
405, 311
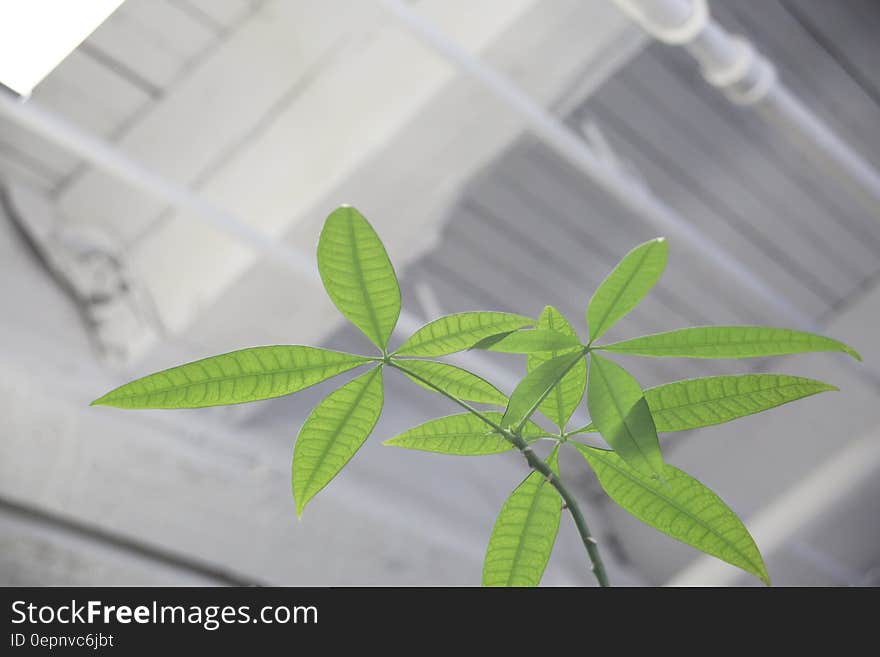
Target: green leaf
240, 376
620, 412
461, 435
524, 533
694, 403
453, 333
626, 285
727, 342
535, 387
453, 380
561, 403
679, 506
358, 275
333, 433
530, 341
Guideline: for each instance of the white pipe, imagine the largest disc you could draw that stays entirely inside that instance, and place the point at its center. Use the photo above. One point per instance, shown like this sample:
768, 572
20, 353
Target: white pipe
571, 146
784, 108
807, 501
732, 64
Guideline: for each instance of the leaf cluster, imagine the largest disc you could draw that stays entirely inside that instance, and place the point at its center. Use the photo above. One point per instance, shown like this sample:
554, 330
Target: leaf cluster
561, 370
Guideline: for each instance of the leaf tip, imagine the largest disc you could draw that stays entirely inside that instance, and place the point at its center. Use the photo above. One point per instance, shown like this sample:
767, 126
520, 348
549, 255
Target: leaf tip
297, 499
342, 208
852, 352
759, 568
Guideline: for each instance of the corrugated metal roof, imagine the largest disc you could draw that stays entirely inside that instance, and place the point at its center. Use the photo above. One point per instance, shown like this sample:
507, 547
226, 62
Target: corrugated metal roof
530, 230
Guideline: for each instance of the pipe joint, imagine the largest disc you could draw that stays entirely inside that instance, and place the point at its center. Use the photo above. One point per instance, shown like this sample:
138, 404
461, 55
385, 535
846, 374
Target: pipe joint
746, 78
677, 34
725, 75
754, 89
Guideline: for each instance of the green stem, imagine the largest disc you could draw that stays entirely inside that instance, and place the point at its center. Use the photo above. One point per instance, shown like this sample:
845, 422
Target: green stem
536, 464
584, 429
541, 399
570, 503
396, 365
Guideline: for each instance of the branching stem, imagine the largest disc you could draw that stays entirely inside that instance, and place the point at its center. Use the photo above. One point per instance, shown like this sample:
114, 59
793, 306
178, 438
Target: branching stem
570, 502
536, 464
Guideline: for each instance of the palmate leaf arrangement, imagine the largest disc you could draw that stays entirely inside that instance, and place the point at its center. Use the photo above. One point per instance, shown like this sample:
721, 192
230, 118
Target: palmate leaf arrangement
361, 282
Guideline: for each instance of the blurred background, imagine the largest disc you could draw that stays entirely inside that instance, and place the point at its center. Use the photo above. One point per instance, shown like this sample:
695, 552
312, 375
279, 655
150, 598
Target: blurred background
162, 192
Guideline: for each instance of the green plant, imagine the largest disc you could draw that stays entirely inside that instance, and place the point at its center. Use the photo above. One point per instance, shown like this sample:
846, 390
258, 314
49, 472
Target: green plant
361, 282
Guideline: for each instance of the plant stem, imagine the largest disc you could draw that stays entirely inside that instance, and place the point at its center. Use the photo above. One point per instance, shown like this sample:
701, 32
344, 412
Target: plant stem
540, 399
585, 429
535, 463
396, 365
571, 504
